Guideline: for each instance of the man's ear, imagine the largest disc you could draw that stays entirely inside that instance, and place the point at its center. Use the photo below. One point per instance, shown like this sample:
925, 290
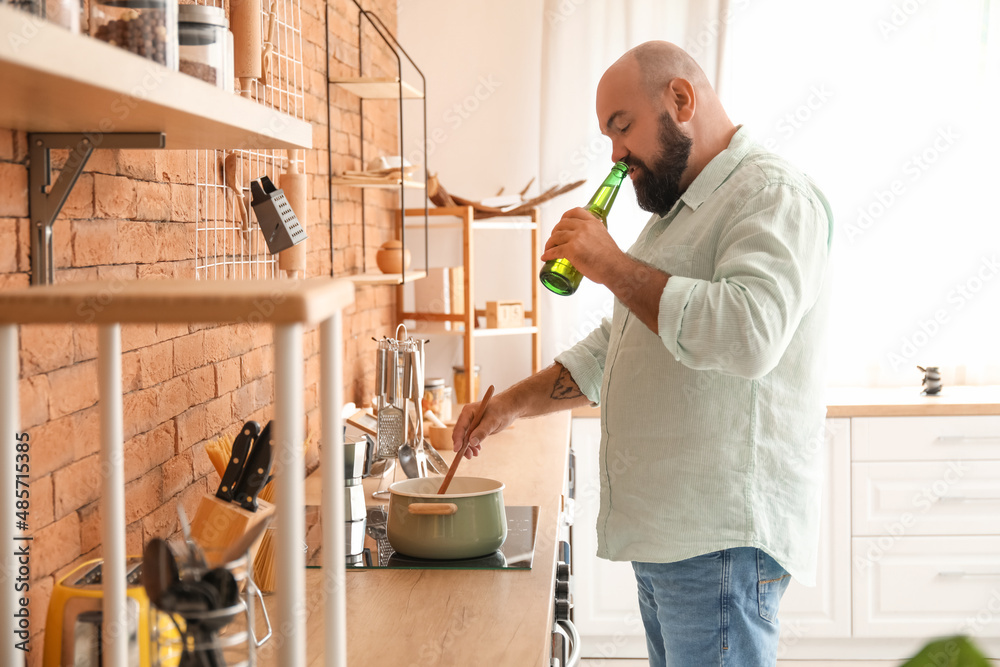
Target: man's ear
679, 96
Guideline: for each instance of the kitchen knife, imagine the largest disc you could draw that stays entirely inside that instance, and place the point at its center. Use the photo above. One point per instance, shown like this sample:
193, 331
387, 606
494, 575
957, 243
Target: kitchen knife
237, 460
256, 471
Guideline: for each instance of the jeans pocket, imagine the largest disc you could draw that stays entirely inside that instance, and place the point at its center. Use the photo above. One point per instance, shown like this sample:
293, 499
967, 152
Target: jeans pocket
772, 580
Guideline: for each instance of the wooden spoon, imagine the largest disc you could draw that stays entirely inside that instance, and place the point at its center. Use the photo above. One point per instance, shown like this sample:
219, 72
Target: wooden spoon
465, 443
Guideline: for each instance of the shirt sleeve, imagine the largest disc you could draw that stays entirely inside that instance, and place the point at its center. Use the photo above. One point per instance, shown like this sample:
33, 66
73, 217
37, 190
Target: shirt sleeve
585, 361
770, 265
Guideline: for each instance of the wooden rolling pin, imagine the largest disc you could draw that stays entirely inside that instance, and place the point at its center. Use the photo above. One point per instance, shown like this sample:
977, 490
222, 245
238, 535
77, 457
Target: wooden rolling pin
245, 23
293, 184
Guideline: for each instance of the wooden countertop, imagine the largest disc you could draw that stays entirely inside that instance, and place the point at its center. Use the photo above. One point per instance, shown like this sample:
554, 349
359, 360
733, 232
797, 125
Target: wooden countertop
895, 402
908, 402
441, 618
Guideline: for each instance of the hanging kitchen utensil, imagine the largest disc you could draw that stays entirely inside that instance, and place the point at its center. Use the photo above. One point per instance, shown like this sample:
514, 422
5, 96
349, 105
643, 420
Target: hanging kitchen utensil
245, 22
465, 441
267, 52
277, 220
391, 426
295, 185
434, 459
233, 167
408, 461
414, 400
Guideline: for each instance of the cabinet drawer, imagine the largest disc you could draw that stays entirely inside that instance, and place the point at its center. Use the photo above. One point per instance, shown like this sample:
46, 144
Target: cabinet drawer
924, 586
925, 438
926, 498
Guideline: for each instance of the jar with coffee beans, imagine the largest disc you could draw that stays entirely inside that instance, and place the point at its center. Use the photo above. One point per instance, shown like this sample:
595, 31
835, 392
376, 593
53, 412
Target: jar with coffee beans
147, 28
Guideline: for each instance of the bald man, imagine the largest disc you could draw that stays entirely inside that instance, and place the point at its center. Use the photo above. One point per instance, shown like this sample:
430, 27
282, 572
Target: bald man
709, 374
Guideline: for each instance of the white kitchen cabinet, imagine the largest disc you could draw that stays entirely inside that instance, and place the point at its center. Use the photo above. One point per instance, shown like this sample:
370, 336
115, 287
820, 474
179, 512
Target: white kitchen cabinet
926, 498
824, 610
926, 586
605, 602
926, 438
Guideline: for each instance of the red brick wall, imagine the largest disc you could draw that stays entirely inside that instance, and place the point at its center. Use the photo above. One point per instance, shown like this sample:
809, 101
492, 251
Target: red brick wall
132, 216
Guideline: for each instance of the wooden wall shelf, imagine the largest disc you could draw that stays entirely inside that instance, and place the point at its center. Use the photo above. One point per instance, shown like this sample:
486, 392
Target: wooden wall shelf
512, 223
58, 81
385, 278
372, 88
375, 183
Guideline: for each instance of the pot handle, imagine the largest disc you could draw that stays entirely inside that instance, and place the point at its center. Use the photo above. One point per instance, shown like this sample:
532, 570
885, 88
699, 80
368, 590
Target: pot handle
432, 508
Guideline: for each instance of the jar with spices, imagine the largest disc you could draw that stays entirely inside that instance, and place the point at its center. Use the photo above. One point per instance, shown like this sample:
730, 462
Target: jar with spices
437, 398
203, 35
460, 383
147, 28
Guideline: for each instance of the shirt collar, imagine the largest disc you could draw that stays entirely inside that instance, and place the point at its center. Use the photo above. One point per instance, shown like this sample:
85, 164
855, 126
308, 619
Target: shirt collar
718, 169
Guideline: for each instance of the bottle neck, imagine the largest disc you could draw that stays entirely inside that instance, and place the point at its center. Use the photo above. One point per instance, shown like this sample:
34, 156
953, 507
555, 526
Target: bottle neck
600, 204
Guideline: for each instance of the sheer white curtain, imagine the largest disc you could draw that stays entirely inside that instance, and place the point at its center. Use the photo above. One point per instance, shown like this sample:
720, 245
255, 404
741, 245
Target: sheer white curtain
580, 40
891, 106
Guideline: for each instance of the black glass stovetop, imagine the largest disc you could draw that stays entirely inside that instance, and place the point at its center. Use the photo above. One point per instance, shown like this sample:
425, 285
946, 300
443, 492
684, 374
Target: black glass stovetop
516, 553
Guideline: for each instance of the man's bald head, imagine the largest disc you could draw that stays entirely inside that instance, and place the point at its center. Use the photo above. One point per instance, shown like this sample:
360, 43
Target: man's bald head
663, 118
659, 63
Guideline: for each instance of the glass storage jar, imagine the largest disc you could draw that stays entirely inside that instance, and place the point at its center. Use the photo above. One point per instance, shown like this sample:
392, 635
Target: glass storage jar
437, 398
147, 28
65, 13
202, 34
460, 380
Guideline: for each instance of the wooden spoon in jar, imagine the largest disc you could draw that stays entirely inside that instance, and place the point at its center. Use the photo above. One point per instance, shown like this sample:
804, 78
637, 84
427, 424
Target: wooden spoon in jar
465, 443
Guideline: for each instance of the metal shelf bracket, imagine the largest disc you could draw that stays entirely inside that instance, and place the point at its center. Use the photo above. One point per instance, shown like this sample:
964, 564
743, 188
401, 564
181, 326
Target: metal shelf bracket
44, 204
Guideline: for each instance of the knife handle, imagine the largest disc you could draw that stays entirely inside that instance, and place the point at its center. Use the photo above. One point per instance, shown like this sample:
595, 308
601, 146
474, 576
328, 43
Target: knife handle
237, 460
256, 472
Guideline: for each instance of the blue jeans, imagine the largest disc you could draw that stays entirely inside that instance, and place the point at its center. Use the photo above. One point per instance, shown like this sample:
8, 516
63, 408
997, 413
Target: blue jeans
719, 609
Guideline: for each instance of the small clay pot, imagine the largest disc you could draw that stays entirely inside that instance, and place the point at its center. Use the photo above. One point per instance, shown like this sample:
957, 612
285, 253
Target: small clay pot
388, 257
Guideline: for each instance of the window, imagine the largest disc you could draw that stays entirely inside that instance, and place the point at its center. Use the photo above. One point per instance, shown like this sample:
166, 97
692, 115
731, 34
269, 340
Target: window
892, 107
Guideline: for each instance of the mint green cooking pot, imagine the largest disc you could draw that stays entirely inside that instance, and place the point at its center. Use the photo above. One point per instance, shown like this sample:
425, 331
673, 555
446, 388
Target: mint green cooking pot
467, 522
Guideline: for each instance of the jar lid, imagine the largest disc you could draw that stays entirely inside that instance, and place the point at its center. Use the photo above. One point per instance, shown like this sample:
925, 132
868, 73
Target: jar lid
430, 383
461, 369
202, 14
135, 4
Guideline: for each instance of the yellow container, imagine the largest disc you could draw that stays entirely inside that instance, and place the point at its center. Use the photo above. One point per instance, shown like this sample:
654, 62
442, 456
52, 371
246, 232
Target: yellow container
460, 384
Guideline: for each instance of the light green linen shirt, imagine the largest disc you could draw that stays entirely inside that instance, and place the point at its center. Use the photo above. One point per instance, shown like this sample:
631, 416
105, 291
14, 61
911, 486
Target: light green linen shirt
712, 431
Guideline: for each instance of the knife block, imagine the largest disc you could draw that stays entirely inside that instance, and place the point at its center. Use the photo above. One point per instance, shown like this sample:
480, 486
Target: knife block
218, 524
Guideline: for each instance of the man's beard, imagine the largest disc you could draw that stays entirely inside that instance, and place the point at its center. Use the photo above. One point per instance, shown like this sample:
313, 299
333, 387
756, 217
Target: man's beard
658, 188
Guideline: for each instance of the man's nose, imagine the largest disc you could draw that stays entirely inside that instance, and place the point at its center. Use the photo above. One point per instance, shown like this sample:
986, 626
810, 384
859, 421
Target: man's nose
618, 152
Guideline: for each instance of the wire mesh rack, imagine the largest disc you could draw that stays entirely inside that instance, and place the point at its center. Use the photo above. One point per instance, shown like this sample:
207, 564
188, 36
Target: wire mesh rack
228, 243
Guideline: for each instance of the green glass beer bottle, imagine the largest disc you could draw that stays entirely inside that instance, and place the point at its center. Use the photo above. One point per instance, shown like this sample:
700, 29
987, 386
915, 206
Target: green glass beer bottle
559, 275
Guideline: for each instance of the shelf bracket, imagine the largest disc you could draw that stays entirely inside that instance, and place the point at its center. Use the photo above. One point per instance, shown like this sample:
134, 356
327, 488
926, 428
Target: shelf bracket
44, 204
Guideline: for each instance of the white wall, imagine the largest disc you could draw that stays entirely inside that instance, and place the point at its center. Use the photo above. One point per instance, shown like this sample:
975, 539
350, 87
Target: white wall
482, 65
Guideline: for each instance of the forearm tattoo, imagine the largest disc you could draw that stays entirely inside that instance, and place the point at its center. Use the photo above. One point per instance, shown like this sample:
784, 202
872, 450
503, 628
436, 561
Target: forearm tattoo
565, 387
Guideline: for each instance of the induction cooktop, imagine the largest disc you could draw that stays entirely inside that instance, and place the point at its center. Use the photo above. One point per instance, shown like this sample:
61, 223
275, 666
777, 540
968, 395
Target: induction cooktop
516, 553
